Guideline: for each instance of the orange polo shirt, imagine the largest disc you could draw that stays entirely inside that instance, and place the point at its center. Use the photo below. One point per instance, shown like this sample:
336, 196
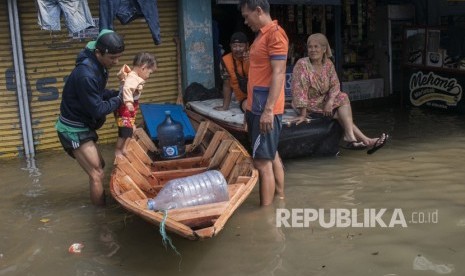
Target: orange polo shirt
271, 43
242, 69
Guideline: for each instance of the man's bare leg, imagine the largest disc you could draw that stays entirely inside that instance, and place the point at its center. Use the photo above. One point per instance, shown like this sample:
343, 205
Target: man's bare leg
267, 180
278, 170
89, 158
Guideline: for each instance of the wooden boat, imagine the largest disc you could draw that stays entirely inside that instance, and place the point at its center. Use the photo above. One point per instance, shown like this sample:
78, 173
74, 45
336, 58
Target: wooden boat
315, 137
140, 174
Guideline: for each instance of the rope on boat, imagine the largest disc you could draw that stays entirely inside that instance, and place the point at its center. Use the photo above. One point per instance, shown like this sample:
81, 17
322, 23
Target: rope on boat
164, 237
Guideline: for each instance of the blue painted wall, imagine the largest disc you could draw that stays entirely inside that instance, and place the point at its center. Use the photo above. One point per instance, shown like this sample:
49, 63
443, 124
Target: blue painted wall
196, 42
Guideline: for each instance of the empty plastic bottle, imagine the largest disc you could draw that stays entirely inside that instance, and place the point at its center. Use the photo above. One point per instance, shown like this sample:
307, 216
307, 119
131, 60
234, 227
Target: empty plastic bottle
171, 138
203, 188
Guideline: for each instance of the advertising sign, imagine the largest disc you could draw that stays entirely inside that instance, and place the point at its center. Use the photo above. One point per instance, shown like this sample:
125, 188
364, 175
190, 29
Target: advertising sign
435, 89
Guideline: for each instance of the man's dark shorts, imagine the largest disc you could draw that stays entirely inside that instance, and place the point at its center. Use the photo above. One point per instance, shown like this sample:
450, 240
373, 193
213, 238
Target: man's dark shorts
69, 145
264, 146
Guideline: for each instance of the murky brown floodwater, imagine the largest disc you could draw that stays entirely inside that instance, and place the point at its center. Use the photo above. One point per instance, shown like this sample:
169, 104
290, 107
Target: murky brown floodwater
45, 208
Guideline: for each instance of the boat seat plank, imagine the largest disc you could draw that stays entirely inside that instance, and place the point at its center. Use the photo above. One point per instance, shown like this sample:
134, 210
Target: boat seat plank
199, 136
137, 163
128, 184
177, 164
220, 154
213, 145
130, 195
144, 140
165, 176
243, 179
123, 163
131, 144
238, 168
229, 162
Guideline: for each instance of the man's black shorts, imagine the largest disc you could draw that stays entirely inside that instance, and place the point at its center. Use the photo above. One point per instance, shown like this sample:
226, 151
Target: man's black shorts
69, 144
264, 145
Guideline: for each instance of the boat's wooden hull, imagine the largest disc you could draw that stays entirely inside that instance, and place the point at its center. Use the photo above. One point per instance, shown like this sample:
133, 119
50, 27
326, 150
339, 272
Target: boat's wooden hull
139, 176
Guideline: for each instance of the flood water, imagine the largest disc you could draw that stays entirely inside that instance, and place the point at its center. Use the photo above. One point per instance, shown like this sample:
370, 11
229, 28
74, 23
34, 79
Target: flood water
418, 176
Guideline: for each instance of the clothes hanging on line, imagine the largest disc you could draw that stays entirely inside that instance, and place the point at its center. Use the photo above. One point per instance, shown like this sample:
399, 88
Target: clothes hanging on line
128, 10
75, 12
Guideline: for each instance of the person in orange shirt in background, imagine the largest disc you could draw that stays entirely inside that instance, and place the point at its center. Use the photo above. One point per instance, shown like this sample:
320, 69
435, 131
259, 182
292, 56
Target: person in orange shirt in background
132, 83
265, 95
234, 71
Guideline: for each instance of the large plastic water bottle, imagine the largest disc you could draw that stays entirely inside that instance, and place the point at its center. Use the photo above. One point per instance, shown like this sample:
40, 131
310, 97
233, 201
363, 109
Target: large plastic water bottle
171, 138
203, 188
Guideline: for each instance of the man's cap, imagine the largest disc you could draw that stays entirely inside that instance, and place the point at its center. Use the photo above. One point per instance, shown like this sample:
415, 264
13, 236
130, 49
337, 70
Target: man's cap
107, 41
239, 37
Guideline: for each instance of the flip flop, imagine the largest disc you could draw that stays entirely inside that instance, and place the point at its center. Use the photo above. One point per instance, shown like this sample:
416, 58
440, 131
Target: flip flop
352, 145
378, 146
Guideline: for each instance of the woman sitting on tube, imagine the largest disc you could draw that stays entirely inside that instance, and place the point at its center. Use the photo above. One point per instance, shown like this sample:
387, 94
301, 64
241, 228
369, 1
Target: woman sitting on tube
316, 92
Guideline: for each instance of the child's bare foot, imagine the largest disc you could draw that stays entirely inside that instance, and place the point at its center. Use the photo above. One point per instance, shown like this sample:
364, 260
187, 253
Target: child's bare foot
279, 194
119, 153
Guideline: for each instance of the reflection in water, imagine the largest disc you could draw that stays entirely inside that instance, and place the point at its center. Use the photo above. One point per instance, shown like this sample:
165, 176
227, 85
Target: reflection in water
421, 263
45, 207
34, 175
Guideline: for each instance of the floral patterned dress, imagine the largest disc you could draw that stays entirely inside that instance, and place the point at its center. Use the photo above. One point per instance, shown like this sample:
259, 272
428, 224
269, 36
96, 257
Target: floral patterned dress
310, 88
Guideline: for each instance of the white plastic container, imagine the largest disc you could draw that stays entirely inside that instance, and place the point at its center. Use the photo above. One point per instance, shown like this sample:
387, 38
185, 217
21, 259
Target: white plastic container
203, 188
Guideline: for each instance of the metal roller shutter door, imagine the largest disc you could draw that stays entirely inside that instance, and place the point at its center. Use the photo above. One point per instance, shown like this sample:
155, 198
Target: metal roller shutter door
11, 143
50, 56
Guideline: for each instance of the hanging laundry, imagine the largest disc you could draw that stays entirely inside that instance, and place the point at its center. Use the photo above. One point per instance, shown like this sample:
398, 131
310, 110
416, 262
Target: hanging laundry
76, 14
128, 10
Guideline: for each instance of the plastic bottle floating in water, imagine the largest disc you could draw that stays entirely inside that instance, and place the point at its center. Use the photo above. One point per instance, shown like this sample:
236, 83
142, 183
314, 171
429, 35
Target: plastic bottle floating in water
75, 248
203, 188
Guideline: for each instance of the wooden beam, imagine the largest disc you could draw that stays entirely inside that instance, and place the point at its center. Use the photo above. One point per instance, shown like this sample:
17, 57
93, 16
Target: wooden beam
173, 164
213, 145
199, 136
144, 140
229, 162
220, 154
124, 164
139, 151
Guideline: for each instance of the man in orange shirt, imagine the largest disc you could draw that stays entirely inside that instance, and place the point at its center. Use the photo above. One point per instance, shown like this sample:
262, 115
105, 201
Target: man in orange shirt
234, 71
265, 95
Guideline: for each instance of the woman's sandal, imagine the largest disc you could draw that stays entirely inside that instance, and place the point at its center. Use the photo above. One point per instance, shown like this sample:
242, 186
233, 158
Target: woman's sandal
377, 145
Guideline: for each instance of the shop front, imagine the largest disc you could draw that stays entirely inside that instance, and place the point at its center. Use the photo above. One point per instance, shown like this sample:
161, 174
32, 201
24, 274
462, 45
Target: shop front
349, 25
36, 63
